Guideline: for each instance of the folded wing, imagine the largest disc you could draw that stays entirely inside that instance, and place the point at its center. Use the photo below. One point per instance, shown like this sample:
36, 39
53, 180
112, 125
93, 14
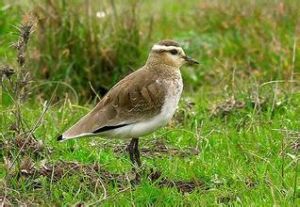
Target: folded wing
137, 97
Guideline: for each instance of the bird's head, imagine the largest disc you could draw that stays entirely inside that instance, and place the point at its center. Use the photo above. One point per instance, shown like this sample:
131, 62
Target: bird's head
170, 53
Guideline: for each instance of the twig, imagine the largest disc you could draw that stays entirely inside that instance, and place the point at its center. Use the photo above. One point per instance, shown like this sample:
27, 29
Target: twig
278, 81
295, 181
104, 189
293, 62
283, 160
35, 126
94, 91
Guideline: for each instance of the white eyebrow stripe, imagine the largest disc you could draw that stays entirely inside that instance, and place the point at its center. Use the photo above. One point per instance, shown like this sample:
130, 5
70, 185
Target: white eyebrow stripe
163, 47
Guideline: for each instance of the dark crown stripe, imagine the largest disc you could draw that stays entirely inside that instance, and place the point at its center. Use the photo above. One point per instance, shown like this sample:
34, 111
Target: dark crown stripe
169, 43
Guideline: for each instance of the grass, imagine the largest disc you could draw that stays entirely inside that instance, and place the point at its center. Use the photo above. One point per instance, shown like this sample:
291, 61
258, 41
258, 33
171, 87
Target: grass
234, 140
245, 158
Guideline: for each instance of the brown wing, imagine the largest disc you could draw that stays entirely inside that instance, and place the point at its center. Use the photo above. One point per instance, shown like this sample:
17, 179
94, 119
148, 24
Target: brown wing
137, 97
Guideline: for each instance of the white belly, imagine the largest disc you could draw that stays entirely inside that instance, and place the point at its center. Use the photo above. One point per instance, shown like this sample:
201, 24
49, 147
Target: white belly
150, 125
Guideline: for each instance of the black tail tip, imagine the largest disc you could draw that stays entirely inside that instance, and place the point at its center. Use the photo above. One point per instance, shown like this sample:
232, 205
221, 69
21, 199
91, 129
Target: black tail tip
59, 138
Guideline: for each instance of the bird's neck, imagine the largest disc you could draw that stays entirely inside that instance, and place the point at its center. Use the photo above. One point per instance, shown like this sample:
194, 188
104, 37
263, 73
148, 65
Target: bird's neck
163, 70
156, 60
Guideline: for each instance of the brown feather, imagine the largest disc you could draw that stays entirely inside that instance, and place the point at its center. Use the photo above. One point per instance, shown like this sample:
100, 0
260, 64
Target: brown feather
137, 97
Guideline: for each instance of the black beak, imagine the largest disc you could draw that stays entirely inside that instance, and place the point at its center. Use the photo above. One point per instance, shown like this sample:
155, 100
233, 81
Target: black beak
190, 60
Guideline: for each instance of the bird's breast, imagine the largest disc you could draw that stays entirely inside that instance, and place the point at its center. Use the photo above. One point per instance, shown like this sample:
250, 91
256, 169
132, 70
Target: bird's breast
172, 98
167, 111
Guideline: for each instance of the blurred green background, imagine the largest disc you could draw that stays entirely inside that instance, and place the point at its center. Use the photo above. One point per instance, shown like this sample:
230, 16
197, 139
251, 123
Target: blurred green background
239, 111
92, 44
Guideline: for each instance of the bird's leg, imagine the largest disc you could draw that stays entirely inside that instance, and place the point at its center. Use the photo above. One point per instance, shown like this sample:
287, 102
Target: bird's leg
131, 150
137, 152
134, 152
134, 155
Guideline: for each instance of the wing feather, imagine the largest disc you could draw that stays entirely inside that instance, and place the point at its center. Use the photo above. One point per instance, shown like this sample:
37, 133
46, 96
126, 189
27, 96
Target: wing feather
136, 97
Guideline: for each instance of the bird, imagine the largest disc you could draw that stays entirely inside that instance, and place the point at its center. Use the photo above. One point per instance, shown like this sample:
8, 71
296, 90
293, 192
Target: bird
140, 103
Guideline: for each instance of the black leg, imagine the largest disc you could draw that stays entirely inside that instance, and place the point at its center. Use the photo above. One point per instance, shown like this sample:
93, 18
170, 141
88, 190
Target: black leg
137, 152
131, 150
134, 152
134, 155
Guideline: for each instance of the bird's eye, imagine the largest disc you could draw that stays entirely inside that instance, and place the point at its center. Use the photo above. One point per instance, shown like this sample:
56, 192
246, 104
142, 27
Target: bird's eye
174, 52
